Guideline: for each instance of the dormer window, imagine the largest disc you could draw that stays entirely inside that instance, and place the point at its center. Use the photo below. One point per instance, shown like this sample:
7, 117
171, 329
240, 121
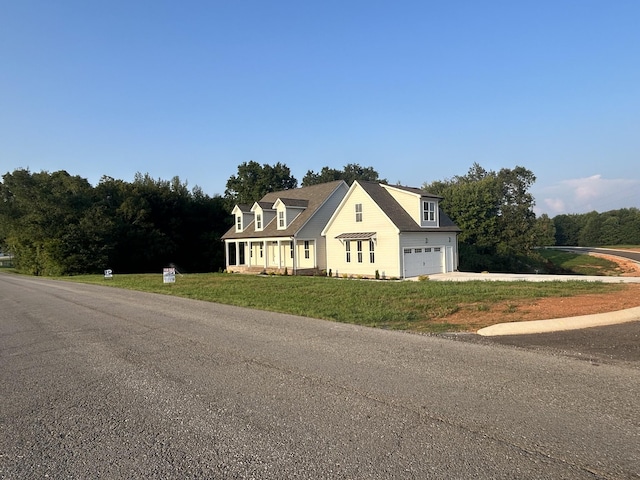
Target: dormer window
258, 221
281, 219
428, 212
238, 223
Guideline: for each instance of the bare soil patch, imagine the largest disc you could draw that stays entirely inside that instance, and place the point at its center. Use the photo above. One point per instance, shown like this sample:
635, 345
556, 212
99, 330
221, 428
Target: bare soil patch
626, 267
476, 317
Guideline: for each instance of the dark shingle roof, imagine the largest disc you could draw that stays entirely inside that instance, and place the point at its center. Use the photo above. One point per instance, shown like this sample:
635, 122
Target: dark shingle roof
417, 191
398, 215
314, 197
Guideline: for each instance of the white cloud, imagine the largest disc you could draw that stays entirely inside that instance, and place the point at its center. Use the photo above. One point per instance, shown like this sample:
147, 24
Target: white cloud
581, 195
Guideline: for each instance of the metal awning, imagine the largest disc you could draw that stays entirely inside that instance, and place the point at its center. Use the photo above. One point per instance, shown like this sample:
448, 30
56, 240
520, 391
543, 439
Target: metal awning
356, 236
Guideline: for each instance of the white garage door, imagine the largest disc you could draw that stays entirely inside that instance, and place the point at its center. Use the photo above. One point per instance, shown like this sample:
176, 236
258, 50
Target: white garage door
423, 261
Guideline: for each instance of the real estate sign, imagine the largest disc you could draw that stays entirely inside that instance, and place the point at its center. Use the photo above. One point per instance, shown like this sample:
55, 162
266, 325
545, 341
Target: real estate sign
169, 275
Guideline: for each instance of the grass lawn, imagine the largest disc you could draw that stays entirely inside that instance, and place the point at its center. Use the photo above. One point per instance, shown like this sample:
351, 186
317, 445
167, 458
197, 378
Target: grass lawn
580, 264
417, 306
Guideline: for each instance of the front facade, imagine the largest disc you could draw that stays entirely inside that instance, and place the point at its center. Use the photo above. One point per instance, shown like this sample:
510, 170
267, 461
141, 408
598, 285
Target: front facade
391, 232
281, 232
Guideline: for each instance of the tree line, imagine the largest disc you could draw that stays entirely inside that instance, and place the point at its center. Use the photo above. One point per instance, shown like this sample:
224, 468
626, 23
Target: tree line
593, 229
59, 224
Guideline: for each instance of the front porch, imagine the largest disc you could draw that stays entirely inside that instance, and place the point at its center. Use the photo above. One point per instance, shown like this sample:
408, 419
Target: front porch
297, 257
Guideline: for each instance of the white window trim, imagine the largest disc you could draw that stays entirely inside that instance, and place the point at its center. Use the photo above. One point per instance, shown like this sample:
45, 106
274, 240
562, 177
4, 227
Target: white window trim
430, 211
358, 212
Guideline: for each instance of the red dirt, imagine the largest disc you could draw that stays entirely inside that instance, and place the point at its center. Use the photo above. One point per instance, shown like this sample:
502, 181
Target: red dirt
558, 307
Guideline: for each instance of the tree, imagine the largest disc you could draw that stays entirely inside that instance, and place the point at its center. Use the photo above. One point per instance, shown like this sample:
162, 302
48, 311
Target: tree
545, 231
38, 210
253, 181
495, 212
56, 224
349, 174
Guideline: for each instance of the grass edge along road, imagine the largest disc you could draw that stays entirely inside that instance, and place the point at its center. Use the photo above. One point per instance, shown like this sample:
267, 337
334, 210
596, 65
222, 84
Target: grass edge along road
413, 306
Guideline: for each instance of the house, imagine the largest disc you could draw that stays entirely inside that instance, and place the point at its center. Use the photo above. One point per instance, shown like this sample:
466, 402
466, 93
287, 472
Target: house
395, 231
282, 230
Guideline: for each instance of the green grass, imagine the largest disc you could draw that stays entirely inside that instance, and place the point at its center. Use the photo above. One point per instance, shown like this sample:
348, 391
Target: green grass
422, 306
580, 264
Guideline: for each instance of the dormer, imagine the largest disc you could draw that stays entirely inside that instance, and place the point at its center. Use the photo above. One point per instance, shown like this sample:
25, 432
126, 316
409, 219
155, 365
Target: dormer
422, 206
287, 209
263, 213
243, 217
429, 212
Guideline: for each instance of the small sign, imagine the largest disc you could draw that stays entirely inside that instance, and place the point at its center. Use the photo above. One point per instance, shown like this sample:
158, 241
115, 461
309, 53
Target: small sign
108, 273
169, 275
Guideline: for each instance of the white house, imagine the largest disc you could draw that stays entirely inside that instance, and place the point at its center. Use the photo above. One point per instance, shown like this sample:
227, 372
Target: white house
396, 231
282, 230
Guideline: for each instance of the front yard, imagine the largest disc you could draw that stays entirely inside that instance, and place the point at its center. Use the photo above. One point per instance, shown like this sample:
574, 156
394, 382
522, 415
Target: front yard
427, 306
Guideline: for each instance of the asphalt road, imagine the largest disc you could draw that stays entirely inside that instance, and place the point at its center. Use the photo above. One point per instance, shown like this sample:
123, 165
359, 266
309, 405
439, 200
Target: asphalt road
606, 251
105, 383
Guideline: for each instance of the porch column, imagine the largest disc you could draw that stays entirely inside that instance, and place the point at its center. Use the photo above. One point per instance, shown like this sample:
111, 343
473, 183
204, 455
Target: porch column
265, 253
294, 260
279, 254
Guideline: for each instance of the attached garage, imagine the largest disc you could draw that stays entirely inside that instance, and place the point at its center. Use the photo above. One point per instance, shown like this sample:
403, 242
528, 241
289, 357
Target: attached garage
423, 261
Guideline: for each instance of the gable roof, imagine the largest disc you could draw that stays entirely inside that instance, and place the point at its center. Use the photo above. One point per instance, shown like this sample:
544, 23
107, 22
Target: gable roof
398, 215
312, 197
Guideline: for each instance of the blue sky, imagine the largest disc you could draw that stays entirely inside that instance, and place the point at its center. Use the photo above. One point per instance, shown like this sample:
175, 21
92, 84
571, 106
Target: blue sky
418, 90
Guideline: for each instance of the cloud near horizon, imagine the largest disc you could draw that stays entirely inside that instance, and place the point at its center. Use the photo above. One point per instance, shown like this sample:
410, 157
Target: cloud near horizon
582, 195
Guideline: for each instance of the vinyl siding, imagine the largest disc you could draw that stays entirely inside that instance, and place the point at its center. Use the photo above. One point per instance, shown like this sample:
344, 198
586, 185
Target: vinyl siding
373, 220
316, 224
409, 201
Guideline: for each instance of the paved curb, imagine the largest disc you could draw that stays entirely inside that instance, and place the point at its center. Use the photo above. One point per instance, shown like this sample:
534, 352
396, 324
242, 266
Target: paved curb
560, 324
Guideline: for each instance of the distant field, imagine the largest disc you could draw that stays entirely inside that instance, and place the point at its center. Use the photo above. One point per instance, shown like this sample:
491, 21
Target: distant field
417, 306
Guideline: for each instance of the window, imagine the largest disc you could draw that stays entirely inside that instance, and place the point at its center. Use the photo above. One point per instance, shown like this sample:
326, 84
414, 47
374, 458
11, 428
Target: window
261, 250
258, 221
239, 223
359, 245
418, 250
436, 249
358, 212
427, 249
407, 250
241, 246
281, 222
307, 252
291, 248
372, 253
428, 211
347, 247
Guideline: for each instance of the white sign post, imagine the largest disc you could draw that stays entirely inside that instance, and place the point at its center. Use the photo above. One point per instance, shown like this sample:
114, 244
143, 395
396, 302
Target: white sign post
169, 275
108, 273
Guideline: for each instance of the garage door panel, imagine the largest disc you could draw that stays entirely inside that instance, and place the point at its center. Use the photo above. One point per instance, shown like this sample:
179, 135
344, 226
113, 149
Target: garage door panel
423, 261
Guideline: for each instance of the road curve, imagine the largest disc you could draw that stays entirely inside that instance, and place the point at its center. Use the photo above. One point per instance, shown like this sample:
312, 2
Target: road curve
630, 254
102, 382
